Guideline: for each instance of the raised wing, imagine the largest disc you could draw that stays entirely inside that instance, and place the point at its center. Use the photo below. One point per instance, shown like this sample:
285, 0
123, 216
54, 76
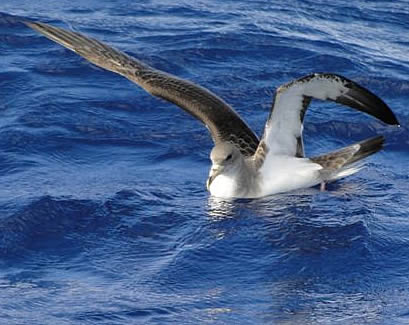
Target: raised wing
283, 130
222, 121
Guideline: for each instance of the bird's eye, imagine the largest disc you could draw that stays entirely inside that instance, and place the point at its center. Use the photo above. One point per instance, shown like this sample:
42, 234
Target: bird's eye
229, 157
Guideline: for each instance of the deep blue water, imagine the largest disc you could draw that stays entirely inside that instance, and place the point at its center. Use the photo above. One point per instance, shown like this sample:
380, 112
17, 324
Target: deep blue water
104, 216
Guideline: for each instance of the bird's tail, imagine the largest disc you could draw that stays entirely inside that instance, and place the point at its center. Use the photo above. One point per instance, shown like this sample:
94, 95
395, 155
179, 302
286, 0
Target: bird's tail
343, 162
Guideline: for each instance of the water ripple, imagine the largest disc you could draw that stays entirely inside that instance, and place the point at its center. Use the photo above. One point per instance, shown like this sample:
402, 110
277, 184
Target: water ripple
104, 213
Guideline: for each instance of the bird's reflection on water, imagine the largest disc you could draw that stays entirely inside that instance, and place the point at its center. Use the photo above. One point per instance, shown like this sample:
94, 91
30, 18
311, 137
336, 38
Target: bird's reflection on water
219, 208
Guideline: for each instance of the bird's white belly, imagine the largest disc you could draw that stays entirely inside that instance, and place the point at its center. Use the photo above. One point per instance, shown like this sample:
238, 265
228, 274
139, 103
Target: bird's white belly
281, 174
285, 174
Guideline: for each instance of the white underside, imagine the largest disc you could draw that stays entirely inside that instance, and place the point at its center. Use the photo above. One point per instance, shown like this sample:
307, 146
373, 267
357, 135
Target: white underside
224, 187
281, 174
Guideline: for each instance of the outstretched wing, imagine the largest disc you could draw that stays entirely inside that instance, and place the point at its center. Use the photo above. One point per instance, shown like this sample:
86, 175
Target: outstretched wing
283, 130
222, 121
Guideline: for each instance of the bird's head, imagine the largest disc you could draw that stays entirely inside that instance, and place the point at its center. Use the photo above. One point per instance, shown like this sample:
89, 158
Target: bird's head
224, 157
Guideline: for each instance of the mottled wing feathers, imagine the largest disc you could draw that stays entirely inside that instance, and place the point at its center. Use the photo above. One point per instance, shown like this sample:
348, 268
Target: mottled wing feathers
283, 130
222, 121
334, 162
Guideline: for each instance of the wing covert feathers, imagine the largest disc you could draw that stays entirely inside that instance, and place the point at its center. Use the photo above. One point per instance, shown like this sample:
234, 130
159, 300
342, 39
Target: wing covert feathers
222, 121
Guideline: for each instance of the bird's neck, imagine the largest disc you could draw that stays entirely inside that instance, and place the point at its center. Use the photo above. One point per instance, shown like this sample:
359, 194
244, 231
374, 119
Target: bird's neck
245, 178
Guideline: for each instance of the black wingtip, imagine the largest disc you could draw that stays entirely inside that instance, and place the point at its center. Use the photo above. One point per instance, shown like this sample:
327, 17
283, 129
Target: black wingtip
368, 147
30, 23
364, 100
34, 25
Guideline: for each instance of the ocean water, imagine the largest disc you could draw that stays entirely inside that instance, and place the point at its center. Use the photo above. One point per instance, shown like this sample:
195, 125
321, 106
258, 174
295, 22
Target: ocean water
105, 218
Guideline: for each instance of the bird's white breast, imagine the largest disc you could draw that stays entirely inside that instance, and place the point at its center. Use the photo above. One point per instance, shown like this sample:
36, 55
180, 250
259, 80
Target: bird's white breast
223, 186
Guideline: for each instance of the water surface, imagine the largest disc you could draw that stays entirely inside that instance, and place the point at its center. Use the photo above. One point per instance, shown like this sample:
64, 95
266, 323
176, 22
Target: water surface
105, 218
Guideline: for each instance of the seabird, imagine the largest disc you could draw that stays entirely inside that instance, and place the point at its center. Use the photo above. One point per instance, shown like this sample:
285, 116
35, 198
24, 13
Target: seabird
244, 166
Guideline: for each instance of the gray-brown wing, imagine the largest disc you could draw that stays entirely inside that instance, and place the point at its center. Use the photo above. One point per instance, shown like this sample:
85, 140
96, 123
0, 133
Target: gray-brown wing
222, 121
337, 160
